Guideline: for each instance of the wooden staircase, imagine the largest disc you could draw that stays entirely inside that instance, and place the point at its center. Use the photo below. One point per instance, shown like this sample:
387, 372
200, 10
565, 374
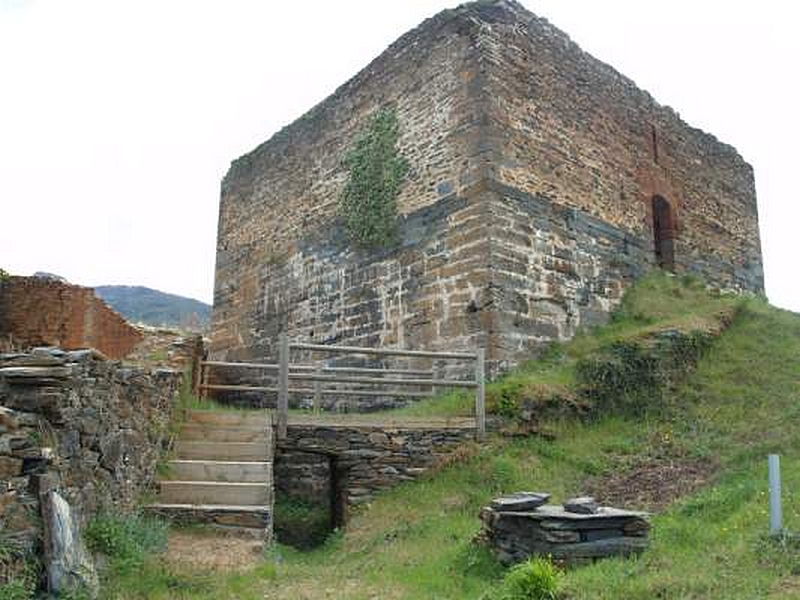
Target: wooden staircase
221, 472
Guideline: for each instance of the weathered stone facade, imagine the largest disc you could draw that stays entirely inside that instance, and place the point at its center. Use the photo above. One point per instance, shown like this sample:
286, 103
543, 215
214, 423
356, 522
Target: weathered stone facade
37, 311
353, 463
529, 205
90, 428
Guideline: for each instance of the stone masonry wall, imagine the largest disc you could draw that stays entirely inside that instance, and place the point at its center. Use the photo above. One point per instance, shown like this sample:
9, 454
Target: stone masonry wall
36, 311
277, 197
526, 212
569, 128
365, 460
72, 421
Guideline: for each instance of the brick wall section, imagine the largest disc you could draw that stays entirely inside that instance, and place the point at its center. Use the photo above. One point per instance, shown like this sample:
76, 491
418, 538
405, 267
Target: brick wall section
526, 212
41, 312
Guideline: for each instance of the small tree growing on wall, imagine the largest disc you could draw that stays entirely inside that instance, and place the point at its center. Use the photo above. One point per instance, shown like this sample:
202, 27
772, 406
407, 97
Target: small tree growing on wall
368, 204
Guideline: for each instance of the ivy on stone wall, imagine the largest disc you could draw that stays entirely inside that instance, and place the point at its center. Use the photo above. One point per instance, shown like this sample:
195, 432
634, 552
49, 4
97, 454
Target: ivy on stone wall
368, 204
4, 275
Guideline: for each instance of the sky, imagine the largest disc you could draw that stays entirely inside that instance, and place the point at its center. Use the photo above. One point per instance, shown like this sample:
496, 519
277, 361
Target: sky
119, 118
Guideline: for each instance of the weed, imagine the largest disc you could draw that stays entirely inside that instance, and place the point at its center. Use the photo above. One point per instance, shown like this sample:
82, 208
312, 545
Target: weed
535, 579
126, 539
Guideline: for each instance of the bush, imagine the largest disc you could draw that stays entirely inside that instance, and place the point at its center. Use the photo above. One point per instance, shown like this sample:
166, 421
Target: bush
535, 579
19, 570
126, 539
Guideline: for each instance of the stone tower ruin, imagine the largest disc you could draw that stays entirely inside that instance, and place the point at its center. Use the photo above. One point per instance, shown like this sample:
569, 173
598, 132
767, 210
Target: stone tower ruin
541, 182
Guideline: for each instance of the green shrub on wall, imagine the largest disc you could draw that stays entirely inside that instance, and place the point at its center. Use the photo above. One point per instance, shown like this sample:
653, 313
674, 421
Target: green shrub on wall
368, 203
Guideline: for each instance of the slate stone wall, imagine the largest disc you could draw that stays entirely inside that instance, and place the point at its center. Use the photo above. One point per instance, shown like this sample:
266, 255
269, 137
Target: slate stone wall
526, 212
72, 421
361, 461
36, 311
569, 127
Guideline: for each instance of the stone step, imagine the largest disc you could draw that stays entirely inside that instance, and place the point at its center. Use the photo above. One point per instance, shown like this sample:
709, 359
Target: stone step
217, 433
234, 471
214, 492
223, 451
256, 518
231, 418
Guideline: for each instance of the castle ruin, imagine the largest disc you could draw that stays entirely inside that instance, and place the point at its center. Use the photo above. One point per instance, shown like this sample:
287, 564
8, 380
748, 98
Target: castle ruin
541, 182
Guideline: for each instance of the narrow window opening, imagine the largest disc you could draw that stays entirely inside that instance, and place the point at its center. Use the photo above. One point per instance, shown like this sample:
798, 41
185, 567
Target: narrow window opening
664, 233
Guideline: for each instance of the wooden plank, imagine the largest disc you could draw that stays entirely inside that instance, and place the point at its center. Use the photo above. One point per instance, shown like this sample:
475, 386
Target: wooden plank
311, 368
310, 391
243, 365
384, 351
480, 393
384, 381
318, 390
283, 386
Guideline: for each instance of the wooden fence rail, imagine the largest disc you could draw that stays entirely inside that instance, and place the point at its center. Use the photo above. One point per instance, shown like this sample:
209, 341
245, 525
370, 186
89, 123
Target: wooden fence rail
318, 375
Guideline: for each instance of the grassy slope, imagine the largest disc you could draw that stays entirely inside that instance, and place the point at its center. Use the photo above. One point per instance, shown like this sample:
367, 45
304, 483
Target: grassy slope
740, 404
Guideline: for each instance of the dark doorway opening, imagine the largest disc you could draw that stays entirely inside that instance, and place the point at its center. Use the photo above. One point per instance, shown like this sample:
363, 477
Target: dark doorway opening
664, 233
309, 497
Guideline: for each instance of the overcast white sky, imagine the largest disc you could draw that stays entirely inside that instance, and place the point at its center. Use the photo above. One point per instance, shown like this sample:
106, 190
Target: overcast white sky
118, 118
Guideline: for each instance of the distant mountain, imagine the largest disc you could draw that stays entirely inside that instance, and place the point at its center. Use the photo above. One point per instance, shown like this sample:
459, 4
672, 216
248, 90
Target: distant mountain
158, 309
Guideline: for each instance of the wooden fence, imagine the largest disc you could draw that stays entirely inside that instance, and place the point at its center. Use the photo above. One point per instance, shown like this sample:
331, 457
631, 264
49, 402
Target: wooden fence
288, 373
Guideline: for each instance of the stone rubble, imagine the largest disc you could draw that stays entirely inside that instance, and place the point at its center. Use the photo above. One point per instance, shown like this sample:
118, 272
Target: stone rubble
73, 422
566, 535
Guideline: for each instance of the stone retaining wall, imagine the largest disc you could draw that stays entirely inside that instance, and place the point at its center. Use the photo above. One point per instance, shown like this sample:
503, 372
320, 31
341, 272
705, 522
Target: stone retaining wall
362, 461
88, 427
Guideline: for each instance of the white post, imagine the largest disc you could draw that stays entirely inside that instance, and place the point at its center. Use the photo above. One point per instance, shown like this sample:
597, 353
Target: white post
480, 394
775, 511
283, 386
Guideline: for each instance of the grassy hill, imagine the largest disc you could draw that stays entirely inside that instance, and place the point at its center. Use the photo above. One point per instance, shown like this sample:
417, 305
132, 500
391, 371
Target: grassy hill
158, 309
673, 407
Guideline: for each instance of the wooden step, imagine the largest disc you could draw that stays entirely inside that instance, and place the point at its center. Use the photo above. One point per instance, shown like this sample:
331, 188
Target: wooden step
222, 451
216, 433
231, 418
257, 518
214, 492
233, 471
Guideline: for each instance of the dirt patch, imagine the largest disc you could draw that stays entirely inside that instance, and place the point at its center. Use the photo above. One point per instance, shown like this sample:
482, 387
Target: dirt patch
786, 588
218, 551
653, 485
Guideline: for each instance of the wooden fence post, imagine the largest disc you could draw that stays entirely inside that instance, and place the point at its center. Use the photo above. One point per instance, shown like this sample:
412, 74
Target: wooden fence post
480, 394
283, 385
318, 390
197, 358
204, 368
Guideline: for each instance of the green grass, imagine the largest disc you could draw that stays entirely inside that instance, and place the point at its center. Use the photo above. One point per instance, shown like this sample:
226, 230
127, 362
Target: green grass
740, 403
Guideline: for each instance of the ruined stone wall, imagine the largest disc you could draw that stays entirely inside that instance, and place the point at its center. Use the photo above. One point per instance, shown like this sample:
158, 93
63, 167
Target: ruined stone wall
364, 460
526, 212
281, 198
90, 428
36, 311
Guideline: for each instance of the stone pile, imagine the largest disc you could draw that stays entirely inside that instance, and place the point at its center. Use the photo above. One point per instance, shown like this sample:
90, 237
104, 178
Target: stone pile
519, 526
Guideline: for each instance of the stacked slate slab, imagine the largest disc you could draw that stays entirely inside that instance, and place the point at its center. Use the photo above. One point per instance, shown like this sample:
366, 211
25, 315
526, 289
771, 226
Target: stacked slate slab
516, 529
